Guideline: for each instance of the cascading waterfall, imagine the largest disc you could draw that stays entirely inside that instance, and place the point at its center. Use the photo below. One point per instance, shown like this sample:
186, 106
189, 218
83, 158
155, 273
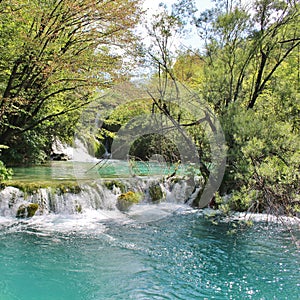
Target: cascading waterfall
61, 151
96, 195
80, 152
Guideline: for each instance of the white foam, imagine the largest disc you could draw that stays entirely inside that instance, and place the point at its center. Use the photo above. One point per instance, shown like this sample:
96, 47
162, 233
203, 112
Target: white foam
256, 217
144, 213
91, 221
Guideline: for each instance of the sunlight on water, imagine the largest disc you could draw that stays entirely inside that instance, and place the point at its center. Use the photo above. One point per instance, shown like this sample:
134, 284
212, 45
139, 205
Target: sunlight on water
180, 256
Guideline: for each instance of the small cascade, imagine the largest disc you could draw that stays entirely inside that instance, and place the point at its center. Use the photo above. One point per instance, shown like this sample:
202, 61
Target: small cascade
61, 151
80, 152
10, 199
97, 196
93, 197
107, 154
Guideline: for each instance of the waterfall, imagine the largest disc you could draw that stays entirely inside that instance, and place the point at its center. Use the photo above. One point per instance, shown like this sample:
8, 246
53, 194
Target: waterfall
90, 197
97, 195
107, 154
80, 152
60, 151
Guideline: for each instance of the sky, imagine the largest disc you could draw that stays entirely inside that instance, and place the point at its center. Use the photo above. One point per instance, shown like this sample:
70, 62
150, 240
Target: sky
153, 4
192, 41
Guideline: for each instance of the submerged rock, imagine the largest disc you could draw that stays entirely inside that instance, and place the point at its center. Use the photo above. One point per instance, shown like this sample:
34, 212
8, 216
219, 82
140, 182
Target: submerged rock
126, 200
59, 156
27, 210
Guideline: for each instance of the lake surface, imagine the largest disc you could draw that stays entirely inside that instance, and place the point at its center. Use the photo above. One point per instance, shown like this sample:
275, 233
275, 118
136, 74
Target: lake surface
178, 255
66, 170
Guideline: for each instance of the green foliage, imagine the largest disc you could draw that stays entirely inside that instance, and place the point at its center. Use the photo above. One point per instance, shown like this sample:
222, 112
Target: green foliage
188, 68
28, 148
127, 111
251, 67
53, 56
154, 144
5, 174
243, 199
263, 158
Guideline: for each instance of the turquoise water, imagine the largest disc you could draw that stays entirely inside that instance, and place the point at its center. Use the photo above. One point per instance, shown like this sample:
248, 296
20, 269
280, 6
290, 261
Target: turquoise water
181, 256
61, 170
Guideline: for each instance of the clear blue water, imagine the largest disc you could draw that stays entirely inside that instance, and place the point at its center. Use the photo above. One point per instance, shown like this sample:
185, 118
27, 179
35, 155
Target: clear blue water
181, 256
61, 170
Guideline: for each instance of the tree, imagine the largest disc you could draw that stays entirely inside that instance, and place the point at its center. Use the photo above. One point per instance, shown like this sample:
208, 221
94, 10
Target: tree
245, 46
252, 58
249, 73
184, 112
53, 56
189, 68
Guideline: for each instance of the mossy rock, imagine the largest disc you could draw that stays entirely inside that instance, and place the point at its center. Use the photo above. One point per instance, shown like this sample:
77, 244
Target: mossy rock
126, 200
27, 211
67, 187
93, 145
32, 187
155, 192
26, 187
115, 183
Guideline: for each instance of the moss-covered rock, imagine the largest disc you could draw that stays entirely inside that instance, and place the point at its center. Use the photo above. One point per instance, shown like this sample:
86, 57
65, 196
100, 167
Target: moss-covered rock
155, 192
92, 144
22, 211
126, 200
27, 210
115, 183
68, 187
32, 187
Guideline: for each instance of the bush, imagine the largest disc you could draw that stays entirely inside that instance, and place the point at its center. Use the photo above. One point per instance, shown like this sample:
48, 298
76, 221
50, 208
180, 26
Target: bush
5, 174
263, 162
